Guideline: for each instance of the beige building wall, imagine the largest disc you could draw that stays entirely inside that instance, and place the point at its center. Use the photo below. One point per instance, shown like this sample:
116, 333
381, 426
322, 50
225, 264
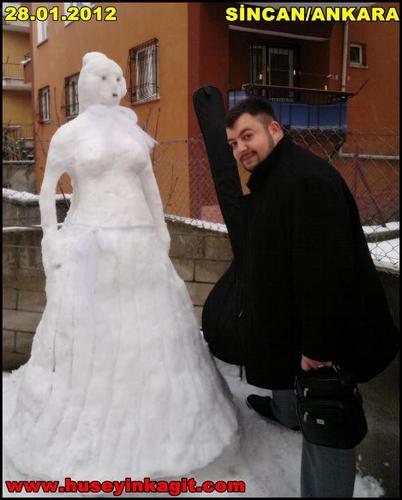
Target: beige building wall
61, 56
17, 105
15, 46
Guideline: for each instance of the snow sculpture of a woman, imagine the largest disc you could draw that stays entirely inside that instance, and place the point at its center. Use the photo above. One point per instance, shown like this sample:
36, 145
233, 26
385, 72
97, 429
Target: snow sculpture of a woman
119, 383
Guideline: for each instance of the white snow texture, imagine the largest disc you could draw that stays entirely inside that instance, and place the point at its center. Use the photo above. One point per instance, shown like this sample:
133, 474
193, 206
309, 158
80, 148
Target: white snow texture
119, 382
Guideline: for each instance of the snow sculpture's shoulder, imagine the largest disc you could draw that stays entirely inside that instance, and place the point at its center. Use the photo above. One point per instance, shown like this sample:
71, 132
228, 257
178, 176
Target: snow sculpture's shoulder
128, 113
64, 133
62, 147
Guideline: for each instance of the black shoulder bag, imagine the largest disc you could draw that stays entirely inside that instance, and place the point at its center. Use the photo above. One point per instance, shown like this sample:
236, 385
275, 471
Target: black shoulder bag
330, 407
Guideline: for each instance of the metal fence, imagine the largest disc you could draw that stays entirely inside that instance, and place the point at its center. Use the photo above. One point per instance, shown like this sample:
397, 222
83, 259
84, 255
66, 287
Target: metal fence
13, 71
368, 161
17, 142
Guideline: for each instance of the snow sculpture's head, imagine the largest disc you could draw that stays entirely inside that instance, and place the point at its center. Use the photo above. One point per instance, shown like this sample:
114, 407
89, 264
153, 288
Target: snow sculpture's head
101, 81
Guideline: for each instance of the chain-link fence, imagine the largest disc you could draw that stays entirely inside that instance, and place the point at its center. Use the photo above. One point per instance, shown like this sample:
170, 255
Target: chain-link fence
368, 161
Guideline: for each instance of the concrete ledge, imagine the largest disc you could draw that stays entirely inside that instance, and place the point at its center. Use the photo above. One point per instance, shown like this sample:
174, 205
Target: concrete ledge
21, 206
19, 176
382, 236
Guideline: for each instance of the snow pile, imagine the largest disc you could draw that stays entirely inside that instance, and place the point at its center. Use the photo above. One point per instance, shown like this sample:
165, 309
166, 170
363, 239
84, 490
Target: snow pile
385, 253
268, 459
201, 224
119, 378
24, 197
389, 226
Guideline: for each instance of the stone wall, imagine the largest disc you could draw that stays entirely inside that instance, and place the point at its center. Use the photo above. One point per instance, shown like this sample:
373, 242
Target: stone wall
200, 257
19, 175
21, 209
23, 293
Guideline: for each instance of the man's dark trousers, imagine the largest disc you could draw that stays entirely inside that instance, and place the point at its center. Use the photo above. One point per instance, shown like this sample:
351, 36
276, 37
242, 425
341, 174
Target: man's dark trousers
325, 472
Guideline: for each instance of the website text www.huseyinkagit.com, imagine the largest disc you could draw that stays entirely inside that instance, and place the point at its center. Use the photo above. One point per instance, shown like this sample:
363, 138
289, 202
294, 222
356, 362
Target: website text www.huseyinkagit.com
116, 488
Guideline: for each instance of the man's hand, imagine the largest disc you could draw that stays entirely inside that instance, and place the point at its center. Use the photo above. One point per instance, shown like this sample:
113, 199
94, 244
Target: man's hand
311, 364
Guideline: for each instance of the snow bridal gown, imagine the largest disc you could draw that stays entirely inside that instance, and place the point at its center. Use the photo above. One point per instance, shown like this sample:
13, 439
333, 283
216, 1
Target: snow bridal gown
119, 383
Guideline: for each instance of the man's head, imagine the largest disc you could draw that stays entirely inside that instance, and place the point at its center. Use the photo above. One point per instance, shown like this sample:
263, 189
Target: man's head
252, 131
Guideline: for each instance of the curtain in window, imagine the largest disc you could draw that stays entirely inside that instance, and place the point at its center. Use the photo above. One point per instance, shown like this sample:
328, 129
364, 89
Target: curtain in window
72, 104
145, 61
44, 104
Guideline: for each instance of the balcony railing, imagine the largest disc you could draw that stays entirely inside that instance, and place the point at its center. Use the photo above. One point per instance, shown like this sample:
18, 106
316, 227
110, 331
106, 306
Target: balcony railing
15, 25
14, 71
300, 108
18, 144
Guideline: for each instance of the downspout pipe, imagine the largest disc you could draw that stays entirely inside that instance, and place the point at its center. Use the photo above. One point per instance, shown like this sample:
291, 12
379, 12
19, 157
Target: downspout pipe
345, 55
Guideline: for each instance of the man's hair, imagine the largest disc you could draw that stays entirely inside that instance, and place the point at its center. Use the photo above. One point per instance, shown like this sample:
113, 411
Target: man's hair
253, 105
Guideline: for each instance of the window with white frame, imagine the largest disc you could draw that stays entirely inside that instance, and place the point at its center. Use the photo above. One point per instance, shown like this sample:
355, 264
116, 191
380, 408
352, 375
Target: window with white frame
71, 95
44, 104
357, 54
144, 72
41, 29
76, 4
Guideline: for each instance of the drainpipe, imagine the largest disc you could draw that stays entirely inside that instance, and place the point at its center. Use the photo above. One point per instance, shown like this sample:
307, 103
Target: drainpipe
345, 55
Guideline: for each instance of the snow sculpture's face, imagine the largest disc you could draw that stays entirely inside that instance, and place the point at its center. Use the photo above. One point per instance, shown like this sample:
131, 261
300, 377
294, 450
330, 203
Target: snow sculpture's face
101, 81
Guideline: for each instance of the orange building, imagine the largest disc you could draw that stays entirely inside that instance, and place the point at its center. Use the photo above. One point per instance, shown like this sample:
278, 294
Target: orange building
345, 75
17, 91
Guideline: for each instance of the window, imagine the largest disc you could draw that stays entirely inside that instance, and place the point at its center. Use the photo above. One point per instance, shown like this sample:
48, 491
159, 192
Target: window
357, 54
270, 65
144, 72
44, 104
41, 28
71, 95
76, 4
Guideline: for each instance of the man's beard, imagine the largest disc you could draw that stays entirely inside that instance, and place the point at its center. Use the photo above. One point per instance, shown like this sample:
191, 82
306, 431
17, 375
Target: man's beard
271, 144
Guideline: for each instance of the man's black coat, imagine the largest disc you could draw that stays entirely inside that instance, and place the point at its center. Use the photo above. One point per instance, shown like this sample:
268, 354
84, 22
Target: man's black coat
310, 284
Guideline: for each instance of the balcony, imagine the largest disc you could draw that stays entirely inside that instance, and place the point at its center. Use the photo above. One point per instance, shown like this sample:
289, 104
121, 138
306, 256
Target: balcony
21, 26
301, 108
13, 77
18, 143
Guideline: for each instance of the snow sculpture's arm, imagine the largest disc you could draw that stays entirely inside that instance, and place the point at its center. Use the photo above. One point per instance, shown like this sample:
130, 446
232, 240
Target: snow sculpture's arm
53, 170
153, 198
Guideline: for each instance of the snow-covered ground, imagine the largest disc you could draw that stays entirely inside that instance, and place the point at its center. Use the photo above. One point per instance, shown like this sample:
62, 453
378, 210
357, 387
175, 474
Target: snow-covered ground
267, 460
386, 253
24, 197
389, 226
